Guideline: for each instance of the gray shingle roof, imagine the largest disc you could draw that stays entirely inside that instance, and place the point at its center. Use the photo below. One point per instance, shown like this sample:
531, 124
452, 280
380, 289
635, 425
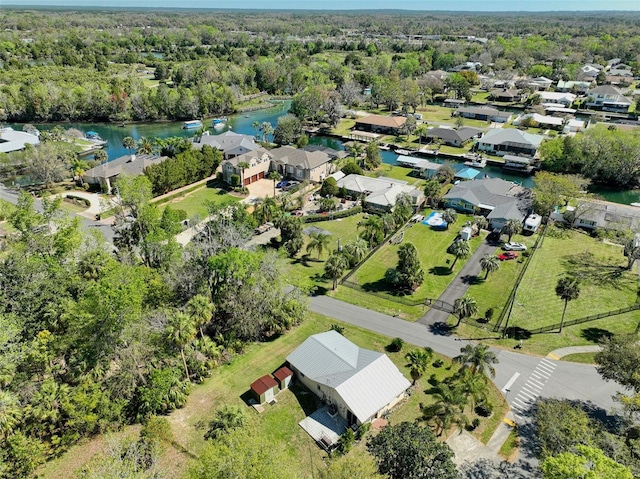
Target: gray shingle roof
366, 380
133, 165
229, 142
461, 134
299, 157
510, 136
491, 193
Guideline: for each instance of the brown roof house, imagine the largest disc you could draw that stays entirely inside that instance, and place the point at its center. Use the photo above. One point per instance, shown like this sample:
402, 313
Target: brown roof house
388, 125
264, 389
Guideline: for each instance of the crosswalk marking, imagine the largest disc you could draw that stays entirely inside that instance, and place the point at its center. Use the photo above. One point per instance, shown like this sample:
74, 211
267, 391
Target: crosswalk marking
531, 389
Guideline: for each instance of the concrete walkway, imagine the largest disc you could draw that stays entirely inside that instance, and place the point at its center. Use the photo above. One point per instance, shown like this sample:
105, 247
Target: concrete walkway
559, 353
459, 285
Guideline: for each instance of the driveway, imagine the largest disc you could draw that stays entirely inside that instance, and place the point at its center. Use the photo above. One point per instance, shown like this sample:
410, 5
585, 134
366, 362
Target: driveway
460, 284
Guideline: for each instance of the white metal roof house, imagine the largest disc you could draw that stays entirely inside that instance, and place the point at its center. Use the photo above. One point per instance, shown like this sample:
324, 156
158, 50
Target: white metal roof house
358, 384
12, 140
608, 98
565, 99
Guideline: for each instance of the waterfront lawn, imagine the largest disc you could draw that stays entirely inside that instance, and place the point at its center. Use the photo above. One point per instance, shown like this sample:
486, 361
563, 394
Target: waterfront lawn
398, 173
432, 250
195, 202
605, 285
441, 115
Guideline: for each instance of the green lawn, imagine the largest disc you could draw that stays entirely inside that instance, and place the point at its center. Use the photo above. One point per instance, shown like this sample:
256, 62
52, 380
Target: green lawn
433, 114
308, 267
278, 425
432, 250
398, 173
195, 202
605, 285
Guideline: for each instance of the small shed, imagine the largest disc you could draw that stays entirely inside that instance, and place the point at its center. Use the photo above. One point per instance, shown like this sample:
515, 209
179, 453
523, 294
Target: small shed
467, 173
264, 389
283, 376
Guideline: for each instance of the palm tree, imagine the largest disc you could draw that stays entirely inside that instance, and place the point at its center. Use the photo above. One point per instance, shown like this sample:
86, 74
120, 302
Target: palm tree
129, 143
450, 216
78, 168
512, 227
356, 251
181, 329
489, 263
100, 156
631, 251
334, 267
201, 310
256, 127
267, 129
388, 224
473, 386
460, 249
243, 165
418, 361
464, 308
432, 191
478, 359
373, 230
356, 149
568, 289
447, 409
275, 177
145, 146
266, 210
10, 413
319, 242
421, 130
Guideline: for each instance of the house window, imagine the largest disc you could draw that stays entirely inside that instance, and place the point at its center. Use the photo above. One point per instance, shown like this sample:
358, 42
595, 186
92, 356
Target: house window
299, 173
587, 223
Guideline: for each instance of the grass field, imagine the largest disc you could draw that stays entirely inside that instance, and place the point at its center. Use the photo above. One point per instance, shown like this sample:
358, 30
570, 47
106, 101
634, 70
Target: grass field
195, 202
432, 250
605, 285
399, 173
278, 425
308, 267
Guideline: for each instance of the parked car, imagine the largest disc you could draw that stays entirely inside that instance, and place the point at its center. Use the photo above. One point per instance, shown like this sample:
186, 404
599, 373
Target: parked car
282, 184
512, 246
507, 255
494, 236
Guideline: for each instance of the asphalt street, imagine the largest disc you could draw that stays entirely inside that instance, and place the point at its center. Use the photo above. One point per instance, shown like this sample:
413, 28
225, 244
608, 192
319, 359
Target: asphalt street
521, 378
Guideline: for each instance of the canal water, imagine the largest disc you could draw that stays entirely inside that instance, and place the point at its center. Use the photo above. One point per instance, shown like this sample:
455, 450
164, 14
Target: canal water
244, 123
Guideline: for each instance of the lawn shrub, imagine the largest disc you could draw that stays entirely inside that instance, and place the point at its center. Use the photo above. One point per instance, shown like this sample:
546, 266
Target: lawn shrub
340, 214
396, 345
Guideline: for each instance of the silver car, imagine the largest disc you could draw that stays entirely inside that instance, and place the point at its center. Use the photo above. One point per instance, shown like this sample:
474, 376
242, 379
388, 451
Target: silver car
511, 246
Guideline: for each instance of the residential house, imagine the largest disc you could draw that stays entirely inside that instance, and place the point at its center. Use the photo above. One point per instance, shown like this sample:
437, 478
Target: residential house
621, 70
485, 113
467, 67
230, 143
302, 164
505, 95
535, 119
12, 140
592, 214
107, 174
574, 126
258, 162
540, 83
359, 384
452, 137
495, 198
608, 98
388, 125
573, 86
590, 71
555, 97
454, 102
505, 141
381, 193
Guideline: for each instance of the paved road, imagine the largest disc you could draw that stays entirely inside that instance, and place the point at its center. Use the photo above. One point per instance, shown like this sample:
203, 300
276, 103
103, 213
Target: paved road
521, 378
88, 224
459, 285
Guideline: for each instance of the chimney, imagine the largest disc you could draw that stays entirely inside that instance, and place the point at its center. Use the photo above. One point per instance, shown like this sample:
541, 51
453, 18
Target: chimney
133, 157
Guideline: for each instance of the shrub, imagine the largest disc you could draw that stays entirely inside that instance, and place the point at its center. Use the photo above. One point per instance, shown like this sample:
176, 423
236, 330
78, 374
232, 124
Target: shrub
346, 441
340, 214
156, 430
362, 430
484, 409
438, 363
337, 328
225, 419
396, 345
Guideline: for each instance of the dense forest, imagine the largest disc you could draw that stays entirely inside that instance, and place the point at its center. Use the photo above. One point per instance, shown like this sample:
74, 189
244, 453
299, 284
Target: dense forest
91, 341
66, 65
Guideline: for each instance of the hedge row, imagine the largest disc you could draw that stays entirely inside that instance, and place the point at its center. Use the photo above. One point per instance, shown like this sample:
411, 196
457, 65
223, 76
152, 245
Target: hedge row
332, 216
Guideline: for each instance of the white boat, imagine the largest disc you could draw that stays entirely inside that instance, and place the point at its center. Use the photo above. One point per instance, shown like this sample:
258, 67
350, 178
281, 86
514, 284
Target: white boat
191, 124
635, 204
219, 122
403, 152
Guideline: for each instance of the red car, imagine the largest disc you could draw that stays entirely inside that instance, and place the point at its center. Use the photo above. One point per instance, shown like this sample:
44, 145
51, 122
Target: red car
507, 255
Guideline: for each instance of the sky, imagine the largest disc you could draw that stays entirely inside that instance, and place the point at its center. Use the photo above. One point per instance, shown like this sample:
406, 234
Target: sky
452, 5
